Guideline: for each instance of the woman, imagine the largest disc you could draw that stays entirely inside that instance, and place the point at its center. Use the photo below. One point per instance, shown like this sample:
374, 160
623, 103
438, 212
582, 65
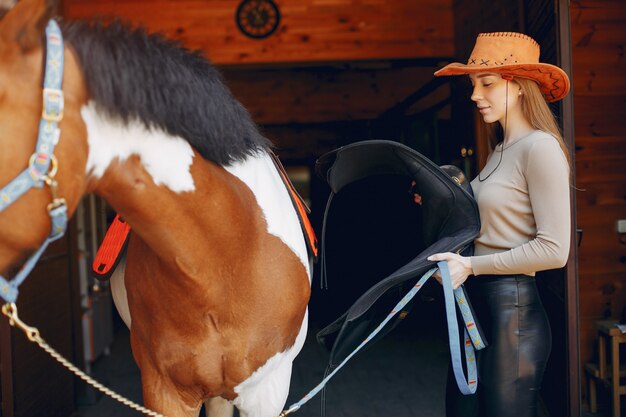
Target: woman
524, 202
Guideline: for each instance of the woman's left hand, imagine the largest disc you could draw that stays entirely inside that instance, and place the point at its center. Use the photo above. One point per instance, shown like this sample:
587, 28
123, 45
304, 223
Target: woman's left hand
460, 267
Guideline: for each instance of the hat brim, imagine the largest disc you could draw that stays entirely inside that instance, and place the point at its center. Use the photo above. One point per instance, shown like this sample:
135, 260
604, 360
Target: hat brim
552, 80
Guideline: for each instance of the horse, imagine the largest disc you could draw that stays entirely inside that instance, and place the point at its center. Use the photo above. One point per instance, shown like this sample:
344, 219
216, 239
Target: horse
216, 281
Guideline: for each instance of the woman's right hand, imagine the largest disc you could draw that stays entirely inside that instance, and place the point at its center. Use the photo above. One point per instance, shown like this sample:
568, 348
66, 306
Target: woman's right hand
460, 267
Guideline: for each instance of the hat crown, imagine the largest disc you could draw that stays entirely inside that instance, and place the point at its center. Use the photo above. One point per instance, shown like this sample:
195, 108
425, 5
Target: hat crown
504, 48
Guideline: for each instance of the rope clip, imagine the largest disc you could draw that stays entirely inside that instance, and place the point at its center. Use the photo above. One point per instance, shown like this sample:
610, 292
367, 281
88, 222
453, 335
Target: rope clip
54, 185
10, 310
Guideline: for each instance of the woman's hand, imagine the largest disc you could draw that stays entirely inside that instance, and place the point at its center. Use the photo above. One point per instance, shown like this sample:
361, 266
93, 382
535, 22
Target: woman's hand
460, 267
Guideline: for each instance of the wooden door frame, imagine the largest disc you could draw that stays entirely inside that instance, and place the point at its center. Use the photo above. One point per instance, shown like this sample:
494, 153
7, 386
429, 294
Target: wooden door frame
571, 271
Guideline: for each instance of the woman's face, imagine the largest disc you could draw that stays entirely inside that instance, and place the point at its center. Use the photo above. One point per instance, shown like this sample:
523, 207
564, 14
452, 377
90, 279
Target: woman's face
489, 94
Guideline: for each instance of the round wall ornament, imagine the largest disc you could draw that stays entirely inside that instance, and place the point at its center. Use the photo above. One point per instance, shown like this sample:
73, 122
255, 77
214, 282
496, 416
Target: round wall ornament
257, 19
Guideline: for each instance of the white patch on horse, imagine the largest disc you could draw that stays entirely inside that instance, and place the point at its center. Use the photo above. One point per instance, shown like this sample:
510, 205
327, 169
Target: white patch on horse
265, 392
260, 175
166, 158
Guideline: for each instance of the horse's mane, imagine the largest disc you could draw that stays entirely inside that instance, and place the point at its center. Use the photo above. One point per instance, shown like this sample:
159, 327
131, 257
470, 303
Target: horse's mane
132, 75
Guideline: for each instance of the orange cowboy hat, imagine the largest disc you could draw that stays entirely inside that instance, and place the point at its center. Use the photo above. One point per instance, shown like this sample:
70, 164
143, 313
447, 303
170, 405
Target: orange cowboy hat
512, 54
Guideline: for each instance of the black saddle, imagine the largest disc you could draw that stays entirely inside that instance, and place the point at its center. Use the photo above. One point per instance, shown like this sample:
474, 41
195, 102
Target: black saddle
371, 177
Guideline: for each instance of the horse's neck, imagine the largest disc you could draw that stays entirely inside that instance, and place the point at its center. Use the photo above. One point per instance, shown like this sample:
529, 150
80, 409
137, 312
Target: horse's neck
176, 201
158, 183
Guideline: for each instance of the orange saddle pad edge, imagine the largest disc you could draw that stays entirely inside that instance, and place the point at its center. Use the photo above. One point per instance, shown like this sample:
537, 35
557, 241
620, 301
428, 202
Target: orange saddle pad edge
302, 209
111, 250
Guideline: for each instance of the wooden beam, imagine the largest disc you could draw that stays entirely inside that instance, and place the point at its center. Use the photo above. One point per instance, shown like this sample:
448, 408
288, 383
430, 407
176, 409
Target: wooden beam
309, 30
326, 94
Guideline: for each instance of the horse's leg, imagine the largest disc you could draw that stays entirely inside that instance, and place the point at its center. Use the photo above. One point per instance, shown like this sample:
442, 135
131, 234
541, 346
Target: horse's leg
265, 392
266, 397
219, 407
161, 395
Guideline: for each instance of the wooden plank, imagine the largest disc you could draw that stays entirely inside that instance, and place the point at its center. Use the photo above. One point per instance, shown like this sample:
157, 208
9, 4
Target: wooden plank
309, 31
601, 216
585, 12
600, 116
598, 261
597, 34
610, 170
599, 147
599, 255
598, 80
314, 95
598, 40
588, 146
600, 56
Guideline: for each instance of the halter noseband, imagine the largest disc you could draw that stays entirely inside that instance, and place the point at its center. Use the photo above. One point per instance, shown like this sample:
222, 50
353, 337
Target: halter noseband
43, 165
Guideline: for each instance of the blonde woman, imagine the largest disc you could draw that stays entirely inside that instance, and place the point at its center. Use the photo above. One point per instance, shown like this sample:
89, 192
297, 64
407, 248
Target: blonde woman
524, 201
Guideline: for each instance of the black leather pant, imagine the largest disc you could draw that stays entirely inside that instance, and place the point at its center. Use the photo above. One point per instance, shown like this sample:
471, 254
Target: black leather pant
511, 368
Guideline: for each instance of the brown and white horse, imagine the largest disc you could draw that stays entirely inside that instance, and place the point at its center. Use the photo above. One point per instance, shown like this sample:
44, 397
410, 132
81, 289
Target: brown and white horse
217, 277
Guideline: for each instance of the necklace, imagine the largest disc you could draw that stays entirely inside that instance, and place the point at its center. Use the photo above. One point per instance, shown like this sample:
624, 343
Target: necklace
511, 142
494, 170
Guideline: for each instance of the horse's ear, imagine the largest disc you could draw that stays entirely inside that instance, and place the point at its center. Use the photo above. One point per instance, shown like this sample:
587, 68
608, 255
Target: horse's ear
24, 24
5, 6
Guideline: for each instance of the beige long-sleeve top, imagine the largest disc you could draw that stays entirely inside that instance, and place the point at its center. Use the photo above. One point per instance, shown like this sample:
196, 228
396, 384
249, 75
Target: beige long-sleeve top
524, 208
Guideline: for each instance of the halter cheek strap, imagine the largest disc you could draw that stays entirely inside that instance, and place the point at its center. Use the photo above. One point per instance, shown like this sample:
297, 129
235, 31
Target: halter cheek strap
42, 166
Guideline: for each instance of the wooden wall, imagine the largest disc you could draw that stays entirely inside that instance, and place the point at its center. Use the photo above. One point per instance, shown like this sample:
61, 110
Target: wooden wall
327, 94
329, 62
310, 30
599, 72
309, 111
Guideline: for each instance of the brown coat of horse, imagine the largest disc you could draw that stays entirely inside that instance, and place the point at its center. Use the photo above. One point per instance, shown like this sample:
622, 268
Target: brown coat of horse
213, 296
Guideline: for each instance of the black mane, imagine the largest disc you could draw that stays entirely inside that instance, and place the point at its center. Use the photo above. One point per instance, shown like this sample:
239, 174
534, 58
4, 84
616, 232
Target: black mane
132, 75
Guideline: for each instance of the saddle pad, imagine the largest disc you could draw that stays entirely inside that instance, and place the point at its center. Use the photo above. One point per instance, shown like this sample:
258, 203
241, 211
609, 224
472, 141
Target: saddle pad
301, 207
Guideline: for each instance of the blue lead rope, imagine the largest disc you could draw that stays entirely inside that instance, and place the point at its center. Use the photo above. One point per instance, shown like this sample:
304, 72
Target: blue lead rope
472, 337
42, 165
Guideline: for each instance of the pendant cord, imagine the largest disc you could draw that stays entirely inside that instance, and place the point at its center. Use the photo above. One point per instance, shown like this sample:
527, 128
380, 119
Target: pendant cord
506, 113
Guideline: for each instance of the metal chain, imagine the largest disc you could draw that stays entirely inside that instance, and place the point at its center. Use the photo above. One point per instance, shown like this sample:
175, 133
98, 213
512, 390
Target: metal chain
10, 310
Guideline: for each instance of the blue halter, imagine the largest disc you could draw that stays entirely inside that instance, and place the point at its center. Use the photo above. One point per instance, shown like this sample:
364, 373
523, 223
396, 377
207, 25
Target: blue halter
42, 166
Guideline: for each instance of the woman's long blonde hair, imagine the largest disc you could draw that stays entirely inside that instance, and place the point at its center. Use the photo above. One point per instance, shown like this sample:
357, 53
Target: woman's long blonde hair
536, 110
